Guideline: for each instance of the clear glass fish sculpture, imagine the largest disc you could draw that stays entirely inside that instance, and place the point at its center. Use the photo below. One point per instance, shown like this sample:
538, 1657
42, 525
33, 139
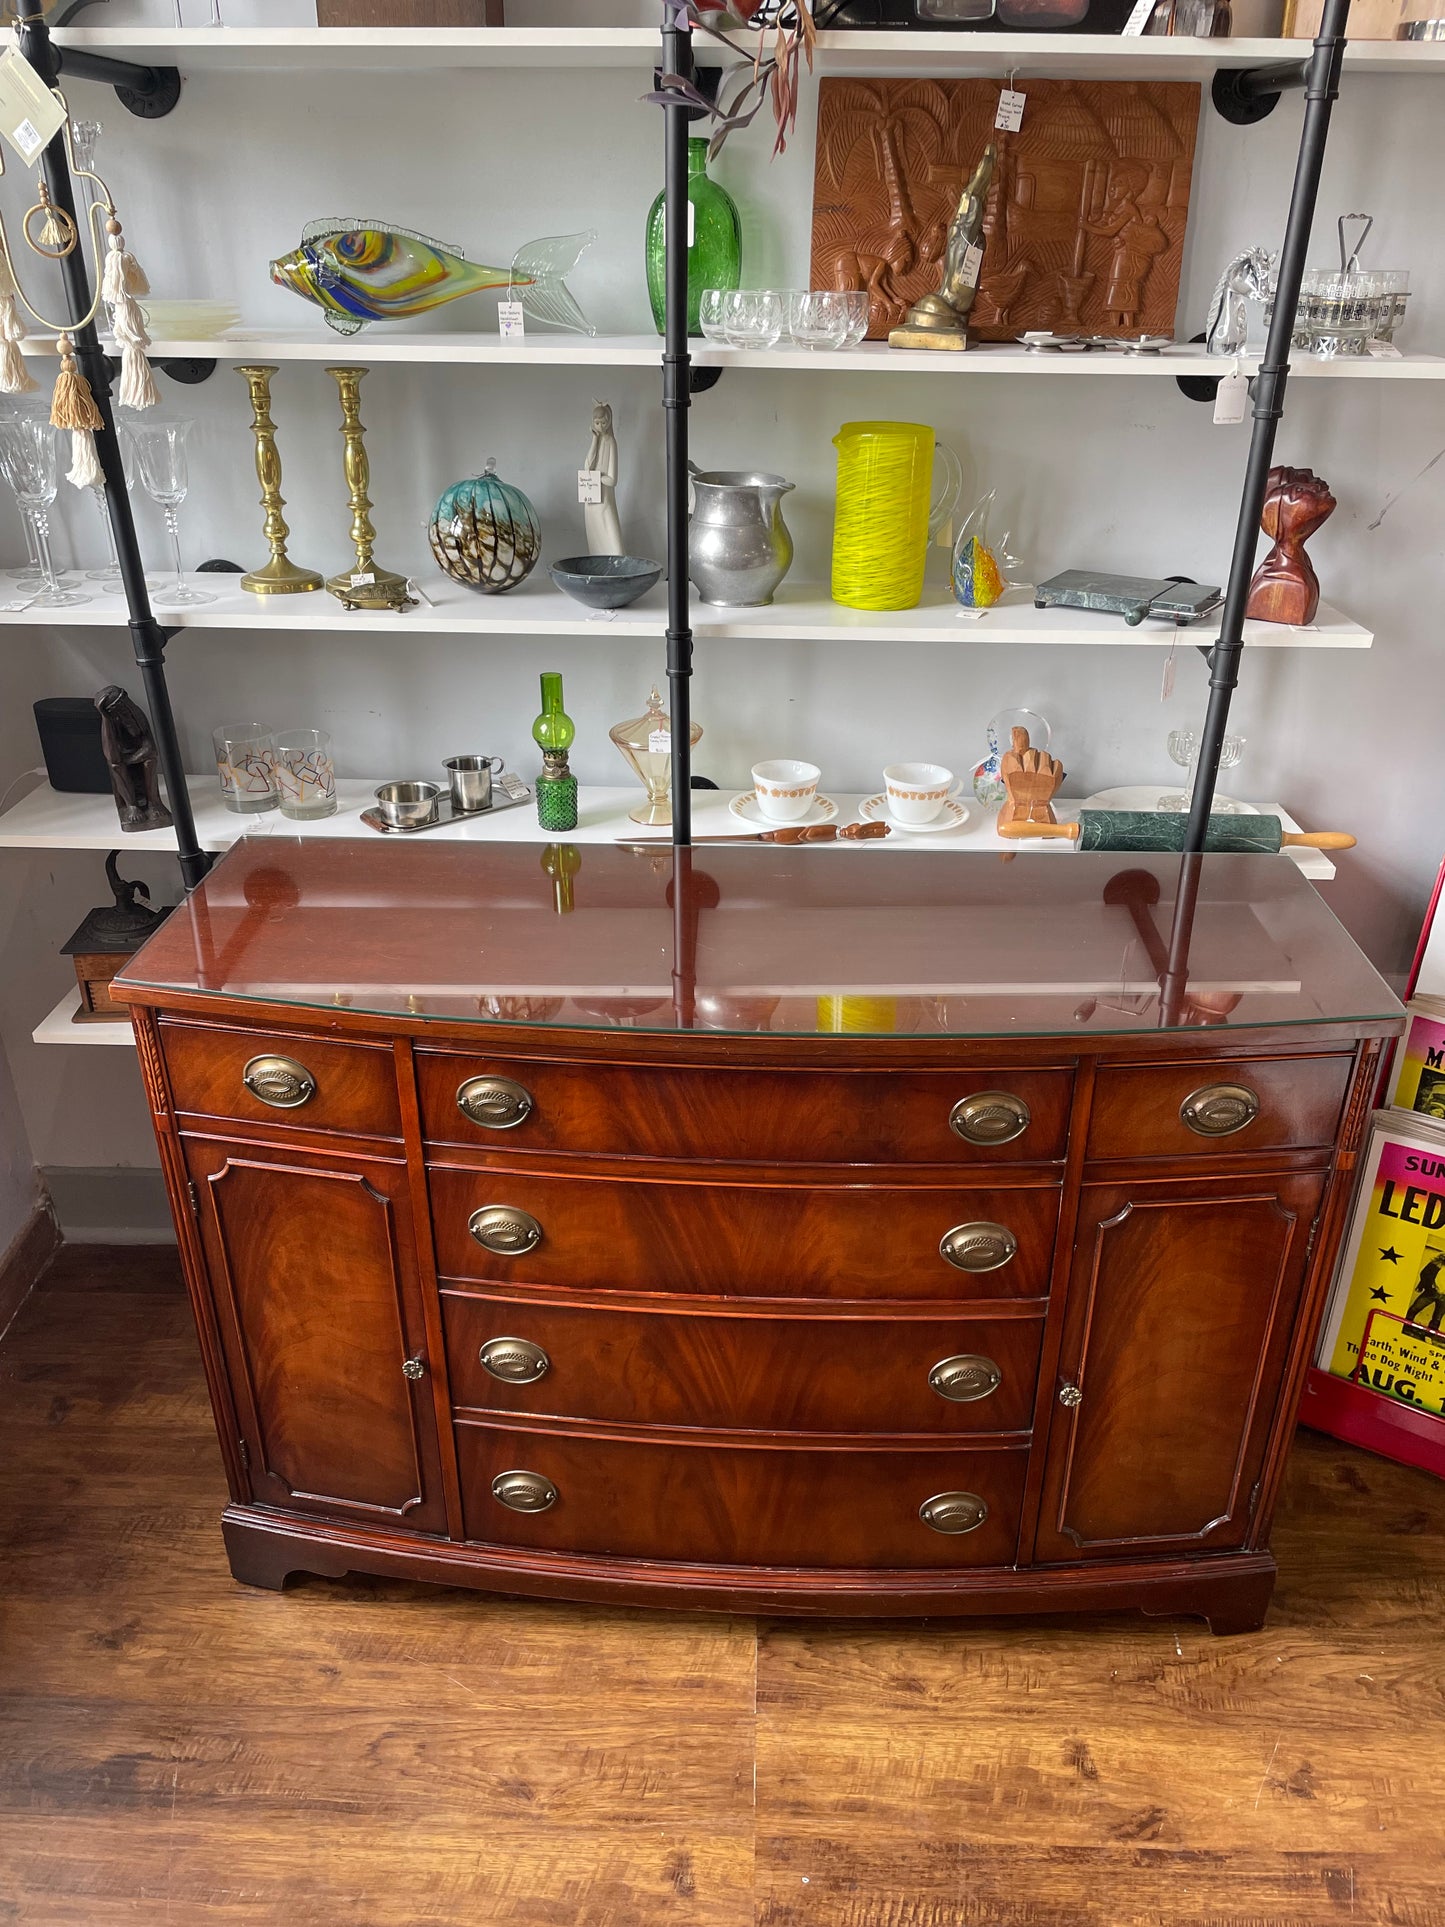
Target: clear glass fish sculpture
360, 271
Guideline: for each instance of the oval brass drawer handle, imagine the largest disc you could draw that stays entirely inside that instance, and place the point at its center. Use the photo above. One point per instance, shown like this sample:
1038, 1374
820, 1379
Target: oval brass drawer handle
496, 1103
515, 1361
279, 1081
965, 1377
1219, 1110
953, 1512
505, 1229
524, 1491
990, 1117
978, 1247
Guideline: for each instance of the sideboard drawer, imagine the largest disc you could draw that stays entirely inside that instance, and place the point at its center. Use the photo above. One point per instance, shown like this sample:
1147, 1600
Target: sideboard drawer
1260, 1104
787, 1117
278, 1077
757, 1241
768, 1373
741, 1506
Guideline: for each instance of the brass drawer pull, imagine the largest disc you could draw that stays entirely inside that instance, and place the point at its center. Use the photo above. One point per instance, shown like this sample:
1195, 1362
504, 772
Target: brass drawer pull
978, 1247
524, 1491
496, 1103
1219, 1110
515, 1361
279, 1081
964, 1378
505, 1229
990, 1117
953, 1512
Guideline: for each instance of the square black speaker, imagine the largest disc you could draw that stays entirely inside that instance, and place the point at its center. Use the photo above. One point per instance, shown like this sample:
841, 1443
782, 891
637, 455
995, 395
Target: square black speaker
69, 730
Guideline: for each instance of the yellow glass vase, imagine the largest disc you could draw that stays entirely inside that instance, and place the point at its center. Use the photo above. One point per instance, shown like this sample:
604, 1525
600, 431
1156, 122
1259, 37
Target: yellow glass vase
882, 522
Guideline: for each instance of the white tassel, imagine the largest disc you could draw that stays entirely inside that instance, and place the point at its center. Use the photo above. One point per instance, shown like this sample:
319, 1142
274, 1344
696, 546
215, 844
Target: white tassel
137, 383
15, 377
85, 469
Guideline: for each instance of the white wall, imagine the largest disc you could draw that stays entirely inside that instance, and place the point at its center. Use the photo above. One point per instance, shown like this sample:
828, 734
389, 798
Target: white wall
1120, 473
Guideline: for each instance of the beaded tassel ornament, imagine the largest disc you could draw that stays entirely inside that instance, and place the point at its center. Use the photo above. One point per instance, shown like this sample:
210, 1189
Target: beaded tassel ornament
51, 233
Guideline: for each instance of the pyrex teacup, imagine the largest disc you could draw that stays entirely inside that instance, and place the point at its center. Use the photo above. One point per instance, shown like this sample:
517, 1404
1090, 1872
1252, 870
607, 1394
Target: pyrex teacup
786, 790
917, 792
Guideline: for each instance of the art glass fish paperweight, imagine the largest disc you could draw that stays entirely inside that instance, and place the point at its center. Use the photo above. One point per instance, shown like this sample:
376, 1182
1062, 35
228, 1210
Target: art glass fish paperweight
485, 533
361, 271
980, 575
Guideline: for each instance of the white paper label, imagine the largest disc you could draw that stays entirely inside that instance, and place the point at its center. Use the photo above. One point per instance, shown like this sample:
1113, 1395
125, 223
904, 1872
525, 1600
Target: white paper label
659, 742
972, 264
970, 615
691, 225
30, 115
1010, 115
14, 608
511, 320
589, 485
362, 579
1166, 684
1383, 350
1139, 19
1231, 399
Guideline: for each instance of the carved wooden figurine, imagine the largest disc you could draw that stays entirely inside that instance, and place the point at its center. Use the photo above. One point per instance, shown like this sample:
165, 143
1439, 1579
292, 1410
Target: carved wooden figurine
129, 748
1285, 587
1032, 778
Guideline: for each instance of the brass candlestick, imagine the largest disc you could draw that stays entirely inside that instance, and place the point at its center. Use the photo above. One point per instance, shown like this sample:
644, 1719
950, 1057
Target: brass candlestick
280, 576
366, 586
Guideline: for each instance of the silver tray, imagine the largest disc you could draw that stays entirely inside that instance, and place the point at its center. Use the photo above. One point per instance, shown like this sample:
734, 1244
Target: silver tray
374, 820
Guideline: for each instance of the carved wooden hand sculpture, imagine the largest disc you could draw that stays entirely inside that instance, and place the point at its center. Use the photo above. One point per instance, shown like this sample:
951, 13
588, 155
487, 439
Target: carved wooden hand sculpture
1032, 778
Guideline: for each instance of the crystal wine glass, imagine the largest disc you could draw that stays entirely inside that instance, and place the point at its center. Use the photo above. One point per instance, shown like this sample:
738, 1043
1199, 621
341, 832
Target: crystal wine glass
28, 462
160, 460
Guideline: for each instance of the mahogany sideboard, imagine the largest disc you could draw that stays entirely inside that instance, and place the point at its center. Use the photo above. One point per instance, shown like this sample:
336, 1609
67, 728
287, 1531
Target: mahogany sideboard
838, 1230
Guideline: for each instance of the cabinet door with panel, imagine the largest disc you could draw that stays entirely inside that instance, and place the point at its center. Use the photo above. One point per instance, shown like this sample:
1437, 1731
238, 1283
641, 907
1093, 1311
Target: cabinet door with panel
314, 1279
1177, 1331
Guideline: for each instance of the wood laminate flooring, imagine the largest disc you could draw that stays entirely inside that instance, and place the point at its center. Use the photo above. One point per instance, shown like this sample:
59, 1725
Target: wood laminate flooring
177, 1751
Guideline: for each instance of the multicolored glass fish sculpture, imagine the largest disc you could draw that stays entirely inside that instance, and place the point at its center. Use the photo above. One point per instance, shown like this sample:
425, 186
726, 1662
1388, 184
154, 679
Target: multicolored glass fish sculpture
360, 271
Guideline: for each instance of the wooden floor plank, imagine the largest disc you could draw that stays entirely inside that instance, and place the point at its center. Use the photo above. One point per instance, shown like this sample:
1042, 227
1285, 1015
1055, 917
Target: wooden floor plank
178, 1751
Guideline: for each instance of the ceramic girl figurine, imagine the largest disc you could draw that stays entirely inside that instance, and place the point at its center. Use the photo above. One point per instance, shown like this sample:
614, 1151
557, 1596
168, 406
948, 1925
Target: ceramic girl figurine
604, 530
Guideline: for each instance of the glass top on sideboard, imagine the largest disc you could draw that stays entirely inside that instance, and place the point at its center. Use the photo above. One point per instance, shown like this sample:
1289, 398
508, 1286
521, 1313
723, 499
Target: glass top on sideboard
873, 939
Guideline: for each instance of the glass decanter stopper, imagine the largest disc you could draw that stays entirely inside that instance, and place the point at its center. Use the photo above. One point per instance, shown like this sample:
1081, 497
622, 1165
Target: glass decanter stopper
553, 732
646, 742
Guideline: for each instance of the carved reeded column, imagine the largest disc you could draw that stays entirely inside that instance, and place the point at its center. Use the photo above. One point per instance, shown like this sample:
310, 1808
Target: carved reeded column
280, 576
366, 586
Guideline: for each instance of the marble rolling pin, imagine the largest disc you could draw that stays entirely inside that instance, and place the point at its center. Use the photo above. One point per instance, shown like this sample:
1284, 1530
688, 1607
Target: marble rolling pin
1156, 830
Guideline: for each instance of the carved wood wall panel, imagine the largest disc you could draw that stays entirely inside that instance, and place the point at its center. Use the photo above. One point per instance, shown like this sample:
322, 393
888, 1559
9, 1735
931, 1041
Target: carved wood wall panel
1086, 215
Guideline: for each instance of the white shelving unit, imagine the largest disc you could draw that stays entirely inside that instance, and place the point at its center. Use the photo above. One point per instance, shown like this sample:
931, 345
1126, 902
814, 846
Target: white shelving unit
201, 50
58, 1026
802, 612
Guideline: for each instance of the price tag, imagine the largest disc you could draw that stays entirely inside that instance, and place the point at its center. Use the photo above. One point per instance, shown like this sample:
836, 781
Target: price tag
1166, 683
1383, 350
972, 264
1010, 115
1231, 399
1139, 19
413, 587
511, 320
691, 225
659, 742
30, 115
14, 608
589, 485
363, 579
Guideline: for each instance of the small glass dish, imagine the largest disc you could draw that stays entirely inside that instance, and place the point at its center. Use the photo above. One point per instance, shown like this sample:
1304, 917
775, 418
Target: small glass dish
818, 318
752, 318
712, 313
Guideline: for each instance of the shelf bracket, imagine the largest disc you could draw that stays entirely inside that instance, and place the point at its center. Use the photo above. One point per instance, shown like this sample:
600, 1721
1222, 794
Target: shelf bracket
1246, 95
148, 92
699, 380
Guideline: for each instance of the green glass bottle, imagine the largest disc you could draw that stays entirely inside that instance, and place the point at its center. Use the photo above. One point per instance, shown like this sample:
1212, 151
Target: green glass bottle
715, 241
554, 732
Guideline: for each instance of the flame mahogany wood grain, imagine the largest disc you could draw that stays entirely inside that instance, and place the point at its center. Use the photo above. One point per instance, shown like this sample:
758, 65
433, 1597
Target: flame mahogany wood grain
762, 1372
786, 1117
355, 1083
1300, 1101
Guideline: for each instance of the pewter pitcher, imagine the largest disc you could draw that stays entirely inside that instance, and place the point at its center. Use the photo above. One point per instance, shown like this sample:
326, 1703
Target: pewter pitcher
738, 546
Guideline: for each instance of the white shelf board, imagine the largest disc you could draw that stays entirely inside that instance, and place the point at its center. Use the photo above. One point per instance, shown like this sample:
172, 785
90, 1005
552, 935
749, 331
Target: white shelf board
319, 50
57, 1026
47, 819
386, 344
801, 612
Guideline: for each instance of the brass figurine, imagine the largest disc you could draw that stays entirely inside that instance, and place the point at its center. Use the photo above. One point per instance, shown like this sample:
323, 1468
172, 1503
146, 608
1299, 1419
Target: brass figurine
941, 320
366, 586
280, 576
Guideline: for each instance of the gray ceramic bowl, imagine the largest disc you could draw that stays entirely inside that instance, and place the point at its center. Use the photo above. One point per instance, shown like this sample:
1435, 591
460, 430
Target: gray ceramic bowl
405, 805
605, 581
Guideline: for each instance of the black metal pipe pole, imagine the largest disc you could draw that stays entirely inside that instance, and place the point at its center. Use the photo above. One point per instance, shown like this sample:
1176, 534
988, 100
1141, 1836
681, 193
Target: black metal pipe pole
148, 638
676, 398
1321, 89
